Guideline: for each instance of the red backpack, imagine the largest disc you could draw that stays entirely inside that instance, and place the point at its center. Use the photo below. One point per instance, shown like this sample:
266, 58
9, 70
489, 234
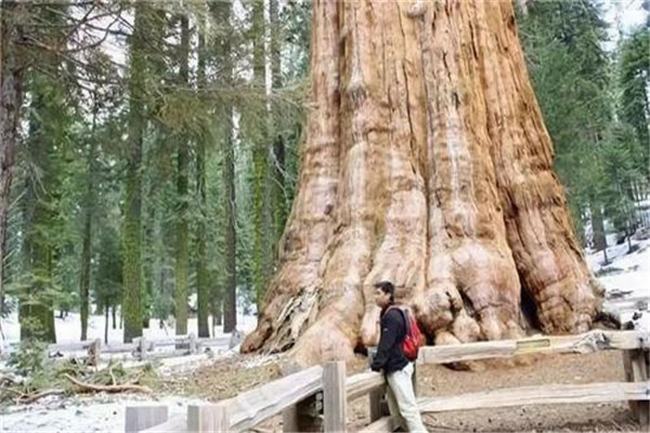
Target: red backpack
414, 338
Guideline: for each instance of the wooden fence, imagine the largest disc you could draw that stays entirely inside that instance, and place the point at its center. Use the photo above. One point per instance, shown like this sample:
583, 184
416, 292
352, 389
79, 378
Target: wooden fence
141, 348
316, 399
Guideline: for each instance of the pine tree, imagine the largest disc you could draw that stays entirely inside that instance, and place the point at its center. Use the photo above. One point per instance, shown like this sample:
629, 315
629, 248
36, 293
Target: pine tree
634, 82
182, 231
132, 255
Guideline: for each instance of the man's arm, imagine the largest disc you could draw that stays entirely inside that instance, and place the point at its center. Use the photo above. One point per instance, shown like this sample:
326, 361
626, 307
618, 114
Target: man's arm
389, 332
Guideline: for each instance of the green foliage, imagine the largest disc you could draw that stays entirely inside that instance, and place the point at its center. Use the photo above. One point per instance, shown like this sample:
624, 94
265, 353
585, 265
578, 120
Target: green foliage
88, 109
575, 83
30, 357
635, 82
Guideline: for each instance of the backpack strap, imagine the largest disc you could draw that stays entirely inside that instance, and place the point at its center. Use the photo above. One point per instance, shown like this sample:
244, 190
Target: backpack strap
407, 326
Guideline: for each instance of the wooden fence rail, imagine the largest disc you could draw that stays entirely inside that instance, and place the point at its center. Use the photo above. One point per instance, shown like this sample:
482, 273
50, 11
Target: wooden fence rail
589, 342
141, 348
317, 397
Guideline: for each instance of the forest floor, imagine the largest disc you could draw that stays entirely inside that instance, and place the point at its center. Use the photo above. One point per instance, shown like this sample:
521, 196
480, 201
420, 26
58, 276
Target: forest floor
225, 375
225, 379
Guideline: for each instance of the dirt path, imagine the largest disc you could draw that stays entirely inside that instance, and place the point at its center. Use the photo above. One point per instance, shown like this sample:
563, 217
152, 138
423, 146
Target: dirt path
558, 369
226, 378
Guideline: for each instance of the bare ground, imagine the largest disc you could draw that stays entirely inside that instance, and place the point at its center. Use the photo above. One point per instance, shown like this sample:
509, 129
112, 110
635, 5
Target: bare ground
226, 378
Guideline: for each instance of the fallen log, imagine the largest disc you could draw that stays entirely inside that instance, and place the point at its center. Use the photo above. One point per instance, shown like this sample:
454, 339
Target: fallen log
31, 398
109, 388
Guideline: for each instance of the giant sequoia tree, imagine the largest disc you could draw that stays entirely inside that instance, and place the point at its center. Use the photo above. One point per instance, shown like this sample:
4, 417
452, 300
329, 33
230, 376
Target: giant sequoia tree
427, 163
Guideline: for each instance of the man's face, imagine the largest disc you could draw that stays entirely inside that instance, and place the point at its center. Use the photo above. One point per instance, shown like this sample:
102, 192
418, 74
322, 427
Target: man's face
381, 299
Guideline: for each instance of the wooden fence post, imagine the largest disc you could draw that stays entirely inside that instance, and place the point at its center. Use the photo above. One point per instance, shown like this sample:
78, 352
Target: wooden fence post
94, 351
137, 418
208, 418
142, 348
304, 416
334, 397
636, 370
378, 404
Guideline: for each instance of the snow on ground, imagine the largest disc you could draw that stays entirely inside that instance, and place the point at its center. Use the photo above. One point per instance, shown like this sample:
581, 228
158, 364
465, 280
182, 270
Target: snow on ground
100, 413
105, 413
626, 273
68, 329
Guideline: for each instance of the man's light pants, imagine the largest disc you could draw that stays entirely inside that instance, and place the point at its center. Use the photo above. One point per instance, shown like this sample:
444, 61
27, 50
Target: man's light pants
401, 399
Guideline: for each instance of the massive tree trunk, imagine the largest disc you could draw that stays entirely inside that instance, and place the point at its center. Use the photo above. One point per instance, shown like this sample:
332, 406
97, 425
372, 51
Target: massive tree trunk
426, 163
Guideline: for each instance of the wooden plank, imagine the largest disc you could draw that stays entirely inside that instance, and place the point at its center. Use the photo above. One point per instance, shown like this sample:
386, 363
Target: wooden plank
361, 384
640, 374
138, 418
290, 421
168, 354
119, 348
375, 401
334, 397
646, 356
252, 407
69, 347
584, 343
208, 418
175, 424
141, 351
94, 352
218, 341
383, 425
544, 394
627, 368
130, 347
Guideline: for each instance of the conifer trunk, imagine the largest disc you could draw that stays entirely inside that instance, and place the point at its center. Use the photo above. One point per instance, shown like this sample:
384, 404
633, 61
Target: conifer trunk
202, 277
132, 231
426, 163
84, 274
262, 152
182, 250
278, 163
11, 99
222, 13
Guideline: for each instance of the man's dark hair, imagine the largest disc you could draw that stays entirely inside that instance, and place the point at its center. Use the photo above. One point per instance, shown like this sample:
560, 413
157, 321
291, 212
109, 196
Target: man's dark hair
388, 288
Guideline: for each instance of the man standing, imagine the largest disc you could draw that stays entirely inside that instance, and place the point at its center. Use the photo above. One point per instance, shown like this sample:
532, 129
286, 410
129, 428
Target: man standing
390, 358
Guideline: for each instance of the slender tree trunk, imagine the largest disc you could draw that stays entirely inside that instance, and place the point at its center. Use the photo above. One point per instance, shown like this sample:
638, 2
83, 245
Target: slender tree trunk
11, 99
222, 14
218, 313
113, 316
230, 298
598, 227
132, 232
84, 277
202, 280
278, 165
182, 251
262, 157
426, 163
106, 322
